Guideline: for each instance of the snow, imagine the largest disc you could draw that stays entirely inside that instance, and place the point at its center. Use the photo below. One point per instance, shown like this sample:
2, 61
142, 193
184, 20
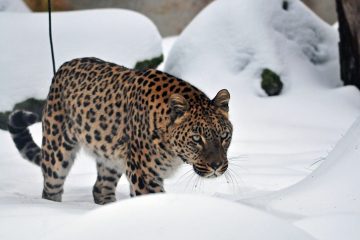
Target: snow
112, 35
220, 37
327, 190
293, 158
167, 44
13, 6
180, 217
332, 226
216, 52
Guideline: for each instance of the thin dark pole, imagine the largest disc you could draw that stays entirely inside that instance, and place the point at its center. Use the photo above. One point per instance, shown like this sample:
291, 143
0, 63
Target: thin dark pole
50, 35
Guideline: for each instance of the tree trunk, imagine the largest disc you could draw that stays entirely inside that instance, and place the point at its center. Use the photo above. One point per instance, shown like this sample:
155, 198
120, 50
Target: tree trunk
349, 46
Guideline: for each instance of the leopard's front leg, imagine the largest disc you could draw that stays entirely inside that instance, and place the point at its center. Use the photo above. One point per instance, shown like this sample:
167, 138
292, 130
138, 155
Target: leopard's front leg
142, 181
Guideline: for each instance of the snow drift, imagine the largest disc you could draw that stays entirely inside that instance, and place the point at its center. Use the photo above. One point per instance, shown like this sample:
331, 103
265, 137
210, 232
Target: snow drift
332, 226
120, 36
171, 216
330, 189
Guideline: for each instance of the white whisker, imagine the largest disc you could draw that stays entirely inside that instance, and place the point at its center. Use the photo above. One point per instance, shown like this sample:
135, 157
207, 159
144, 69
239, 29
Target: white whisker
190, 179
238, 166
231, 182
196, 183
236, 177
238, 158
184, 176
226, 177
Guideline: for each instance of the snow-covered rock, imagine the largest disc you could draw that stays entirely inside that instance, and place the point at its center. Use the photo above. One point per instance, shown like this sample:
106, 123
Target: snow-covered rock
120, 36
234, 40
171, 216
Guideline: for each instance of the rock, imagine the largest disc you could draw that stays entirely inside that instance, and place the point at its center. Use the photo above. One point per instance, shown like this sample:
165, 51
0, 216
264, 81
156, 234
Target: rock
31, 104
271, 82
151, 63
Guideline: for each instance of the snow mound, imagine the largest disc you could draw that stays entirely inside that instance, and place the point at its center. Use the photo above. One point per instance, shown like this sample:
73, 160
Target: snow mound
13, 6
231, 42
332, 226
120, 36
170, 216
331, 188
242, 38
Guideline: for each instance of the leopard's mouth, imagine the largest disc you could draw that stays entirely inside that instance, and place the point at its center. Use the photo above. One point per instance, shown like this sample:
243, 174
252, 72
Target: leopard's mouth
207, 172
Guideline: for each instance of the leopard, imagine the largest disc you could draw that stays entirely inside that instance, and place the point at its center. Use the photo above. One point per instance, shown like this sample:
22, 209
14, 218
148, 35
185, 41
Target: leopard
141, 123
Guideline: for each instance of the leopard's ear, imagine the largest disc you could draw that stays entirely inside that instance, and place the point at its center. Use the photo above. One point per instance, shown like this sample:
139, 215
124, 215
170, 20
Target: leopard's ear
178, 106
221, 100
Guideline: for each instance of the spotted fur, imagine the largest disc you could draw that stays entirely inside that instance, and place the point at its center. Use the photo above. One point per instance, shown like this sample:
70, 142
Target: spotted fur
143, 124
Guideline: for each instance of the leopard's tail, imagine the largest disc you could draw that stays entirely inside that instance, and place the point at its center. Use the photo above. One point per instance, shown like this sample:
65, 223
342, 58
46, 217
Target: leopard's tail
19, 121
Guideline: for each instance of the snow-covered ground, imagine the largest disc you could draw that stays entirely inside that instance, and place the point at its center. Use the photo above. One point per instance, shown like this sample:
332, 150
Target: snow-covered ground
293, 159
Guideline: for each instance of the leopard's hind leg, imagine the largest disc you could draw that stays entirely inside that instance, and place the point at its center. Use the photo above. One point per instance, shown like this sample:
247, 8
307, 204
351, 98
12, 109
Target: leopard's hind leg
59, 148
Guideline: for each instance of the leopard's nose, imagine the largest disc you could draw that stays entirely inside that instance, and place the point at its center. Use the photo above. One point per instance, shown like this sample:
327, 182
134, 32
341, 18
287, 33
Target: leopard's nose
215, 165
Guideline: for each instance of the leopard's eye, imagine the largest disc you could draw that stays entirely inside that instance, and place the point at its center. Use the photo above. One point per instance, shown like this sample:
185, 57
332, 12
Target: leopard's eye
224, 135
196, 138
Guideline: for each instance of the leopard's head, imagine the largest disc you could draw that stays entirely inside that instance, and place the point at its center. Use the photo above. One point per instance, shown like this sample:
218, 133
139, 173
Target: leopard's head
200, 133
